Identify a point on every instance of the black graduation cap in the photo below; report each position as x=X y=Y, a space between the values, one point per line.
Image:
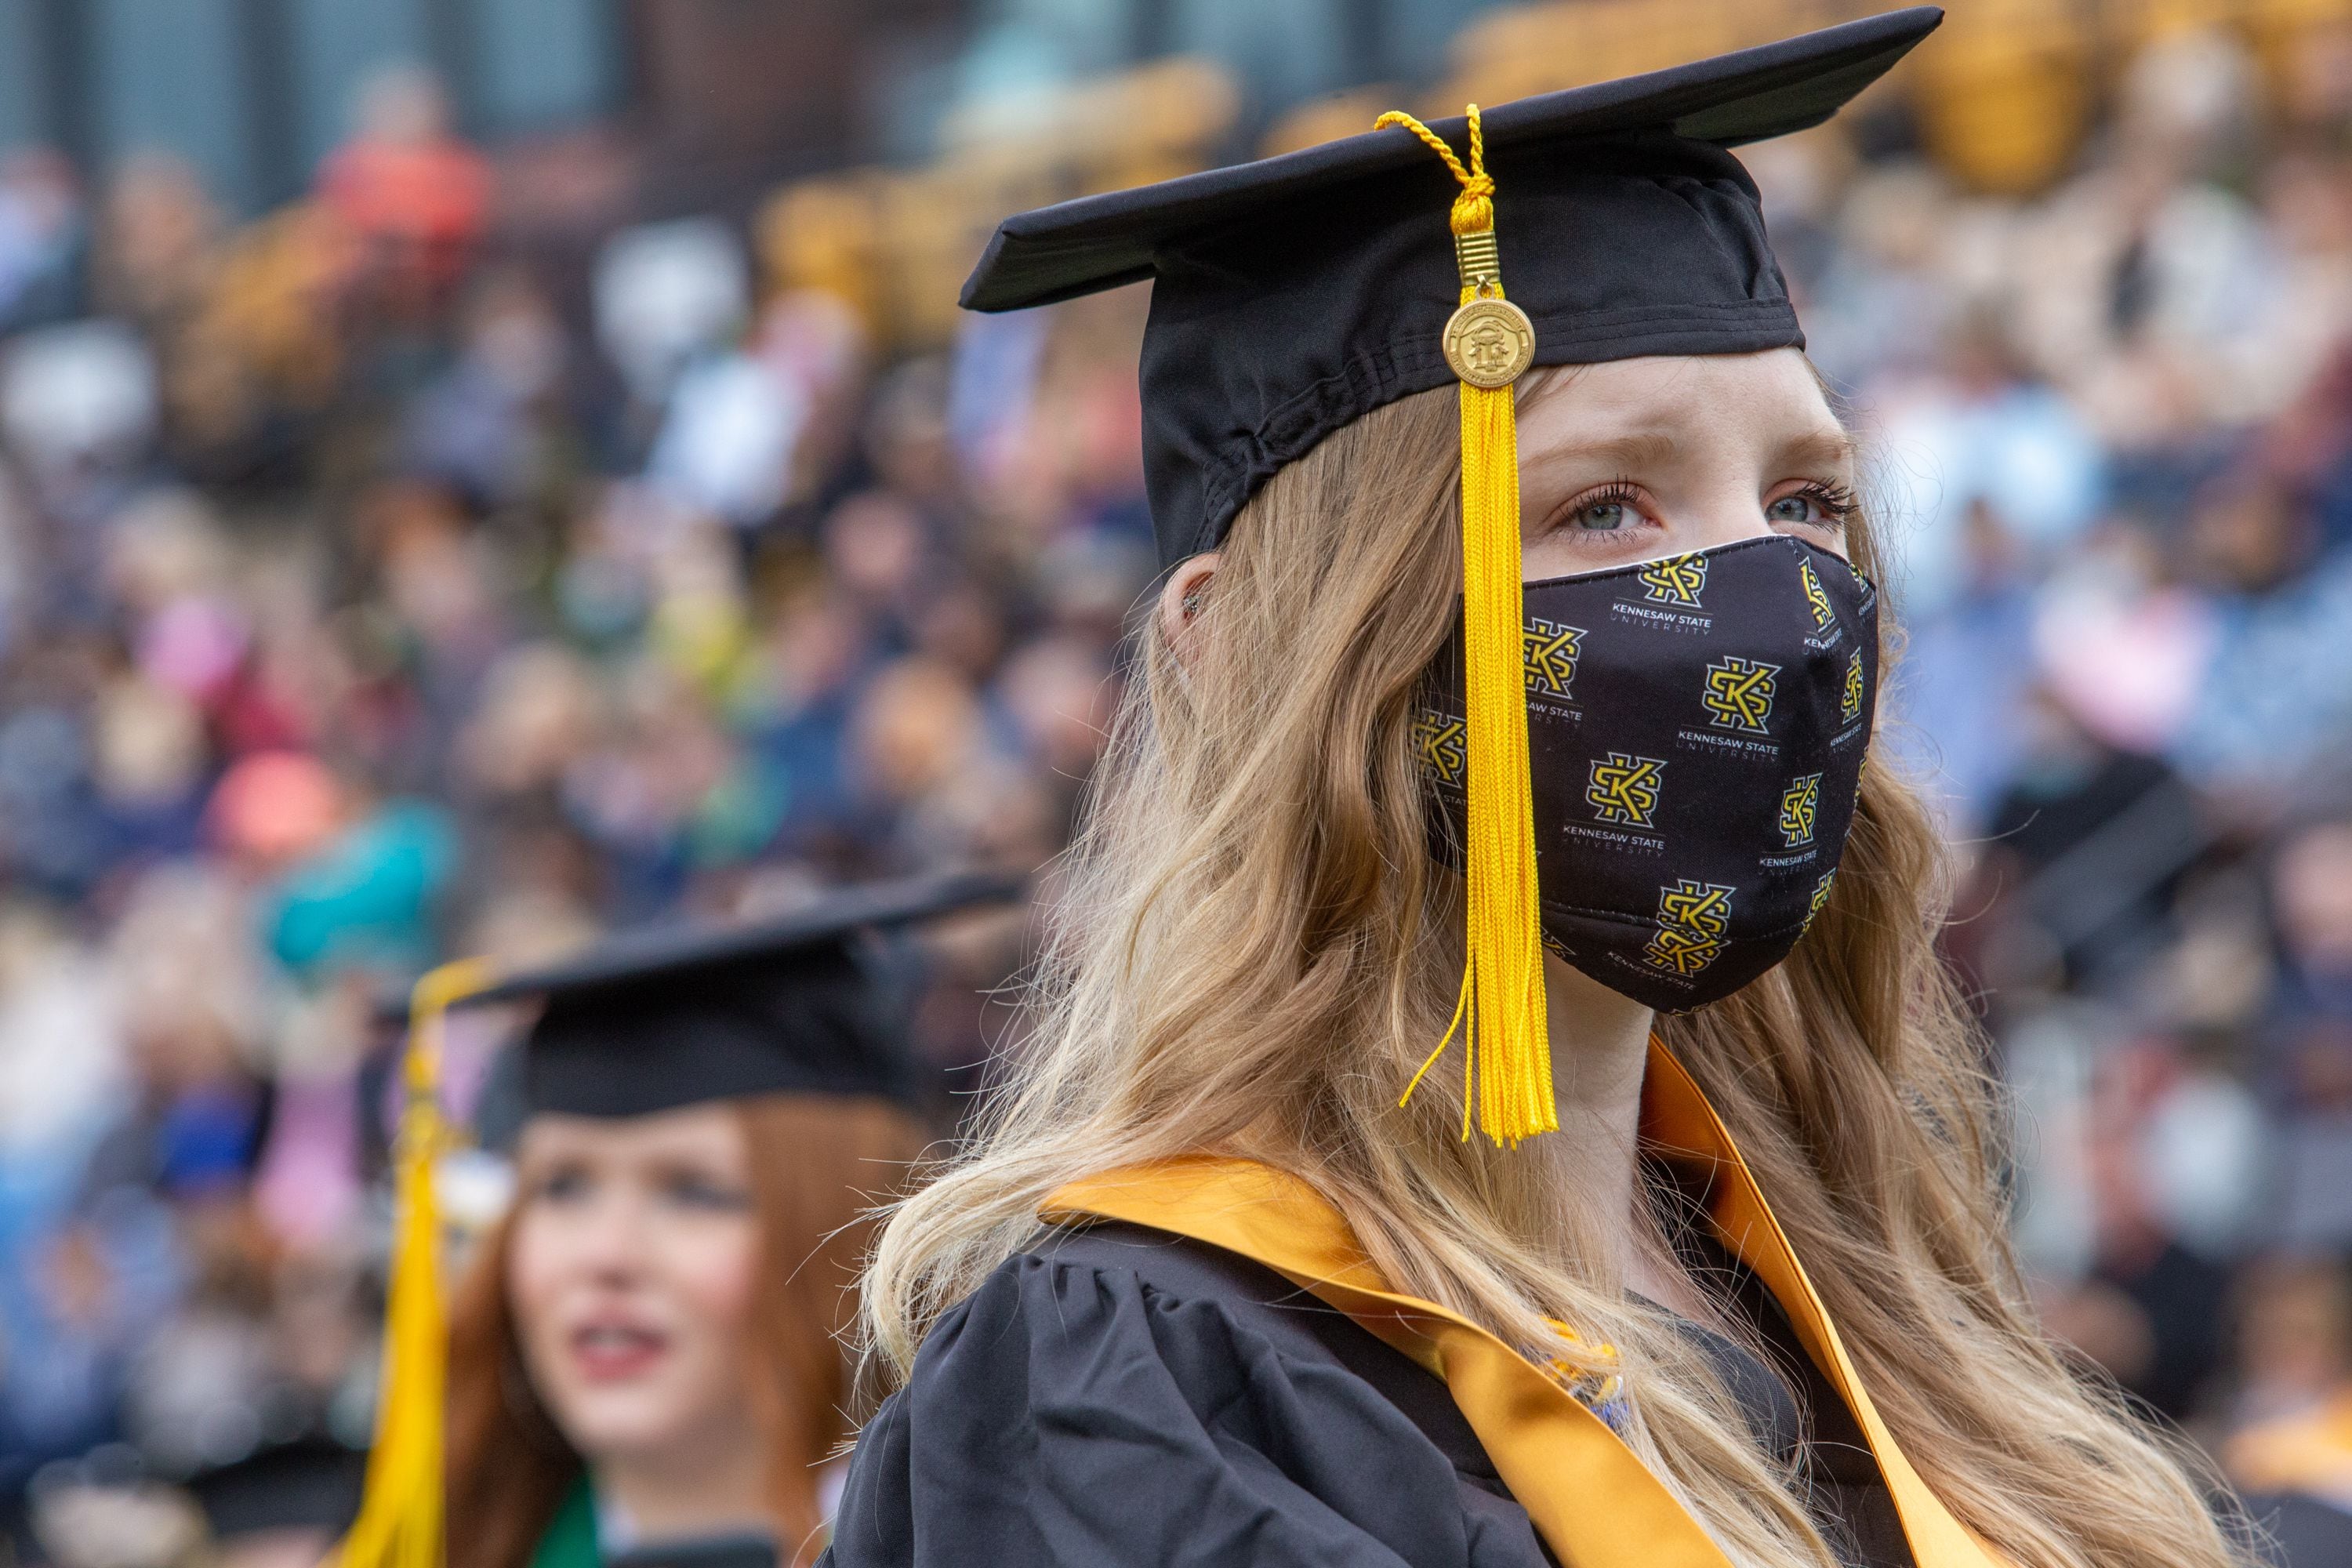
x=659 y=1019
x=309 y=1483
x=1293 y=295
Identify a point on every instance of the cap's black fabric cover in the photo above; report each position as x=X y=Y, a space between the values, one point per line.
x=805 y=1023
x=1295 y=295
x=663 y=1019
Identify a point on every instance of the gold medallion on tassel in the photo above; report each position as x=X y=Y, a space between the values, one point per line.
x=1490 y=342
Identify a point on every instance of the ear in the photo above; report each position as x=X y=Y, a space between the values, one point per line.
x=1181 y=600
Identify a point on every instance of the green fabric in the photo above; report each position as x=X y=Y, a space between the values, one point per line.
x=570 y=1541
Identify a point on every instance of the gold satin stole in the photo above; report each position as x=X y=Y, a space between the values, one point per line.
x=1594 y=1503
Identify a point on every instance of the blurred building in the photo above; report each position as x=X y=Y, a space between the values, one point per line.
x=255 y=93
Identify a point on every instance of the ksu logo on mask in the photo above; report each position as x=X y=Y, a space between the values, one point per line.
x=1624 y=789
x=1850 y=704
x=1738 y=694
x=1799 y=803
x=1820 y=897
x=1815 y=600
x=1443 y=744
x=1552 y=649
x=1692 y=916
x=1676 y=580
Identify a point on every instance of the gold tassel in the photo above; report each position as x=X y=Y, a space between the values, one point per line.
x=1489 y=344
x=399 y=1519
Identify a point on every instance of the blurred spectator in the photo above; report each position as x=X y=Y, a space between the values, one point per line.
x=2086 y=839
x=1984 y=444
x=487 y=426
x=417 y=198
x=78 y=397
x=665 y=293
x=2172 y=1168
x=2311 y=1026
x=2275 y=699
x=2292 y=1452
x=158 y=238
x=42 y=234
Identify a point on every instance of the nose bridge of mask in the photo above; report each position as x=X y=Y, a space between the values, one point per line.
x=1697 y=728
x=1706 y=556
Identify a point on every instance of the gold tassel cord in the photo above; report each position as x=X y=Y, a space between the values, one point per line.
x=399 y=1519
x=1489 y=342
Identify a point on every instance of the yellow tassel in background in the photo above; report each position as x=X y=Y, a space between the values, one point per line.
x=399 y=1524
x=1489 y=344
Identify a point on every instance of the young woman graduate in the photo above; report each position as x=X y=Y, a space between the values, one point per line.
x=1497 y=1102
x=643 y=1362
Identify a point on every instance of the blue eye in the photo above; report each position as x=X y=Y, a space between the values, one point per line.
x=1816 y=506
x=1612 y=508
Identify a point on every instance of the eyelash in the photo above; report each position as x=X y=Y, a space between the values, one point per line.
x=1836 y=500
x=1616 y=492
x=1623 y=492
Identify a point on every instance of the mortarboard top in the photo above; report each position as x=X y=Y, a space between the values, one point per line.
x=657 y=1019
x=1293 y=295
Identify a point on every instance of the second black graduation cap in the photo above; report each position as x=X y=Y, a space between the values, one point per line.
x=1293 y=295
x=656 y=1020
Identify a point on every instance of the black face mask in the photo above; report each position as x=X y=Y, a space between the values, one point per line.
x=1696 y=733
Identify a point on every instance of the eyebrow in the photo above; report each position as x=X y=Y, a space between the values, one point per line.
x=1830 y=448
x=1833 y=448
x=1651 y=449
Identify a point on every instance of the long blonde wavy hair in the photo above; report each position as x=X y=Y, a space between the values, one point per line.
x=1252 y=951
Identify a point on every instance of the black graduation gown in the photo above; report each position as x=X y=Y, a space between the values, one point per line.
x=2301 y=1532
x=1118 y=1397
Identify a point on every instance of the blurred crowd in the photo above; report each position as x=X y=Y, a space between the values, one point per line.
x=2112 y=431
x=371 y=593
x=374 y=589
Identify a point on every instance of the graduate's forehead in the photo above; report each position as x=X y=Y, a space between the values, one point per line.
x=1661 y=409
x=707 y=1132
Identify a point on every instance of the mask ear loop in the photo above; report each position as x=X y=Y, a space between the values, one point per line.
x=1489 y=342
